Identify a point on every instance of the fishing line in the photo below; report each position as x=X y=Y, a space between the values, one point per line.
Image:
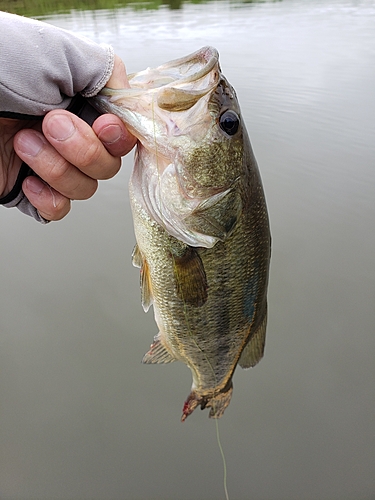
x=223 y=459
x=53 y=196
x=214 y=409
x=187 y=319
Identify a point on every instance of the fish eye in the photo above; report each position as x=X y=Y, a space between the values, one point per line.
x=229 y=122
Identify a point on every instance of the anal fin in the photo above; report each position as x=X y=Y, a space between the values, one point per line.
x=157 y=353
x=254 y=350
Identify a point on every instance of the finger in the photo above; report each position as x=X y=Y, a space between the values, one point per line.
x=118 y=141
x=114 y=135
x=54 y=169
x=51 y=204
x=76 y=141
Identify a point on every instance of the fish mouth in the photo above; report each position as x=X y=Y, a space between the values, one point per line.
x=184 y=70
x=192 y=74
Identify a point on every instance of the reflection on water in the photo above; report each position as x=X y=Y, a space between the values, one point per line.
x=80 y=416
x=37 y=8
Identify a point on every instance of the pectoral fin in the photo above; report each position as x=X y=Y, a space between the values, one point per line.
x=146 y=289
x=217 y=215
x=190 y=278
x=157 y=353
x=137 y=259
x=254 y=350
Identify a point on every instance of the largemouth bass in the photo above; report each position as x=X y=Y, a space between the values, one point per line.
x=200 y=220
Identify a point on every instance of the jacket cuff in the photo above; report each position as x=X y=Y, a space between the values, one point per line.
x=23 y=204
x=16 y=197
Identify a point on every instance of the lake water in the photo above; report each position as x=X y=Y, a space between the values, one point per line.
x=80 y=417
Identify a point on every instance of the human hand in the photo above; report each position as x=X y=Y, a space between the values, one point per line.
x=65 y=152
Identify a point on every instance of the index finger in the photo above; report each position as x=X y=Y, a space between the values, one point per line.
x=77 y=142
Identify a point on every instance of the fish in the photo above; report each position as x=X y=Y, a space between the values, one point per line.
x=200 y=220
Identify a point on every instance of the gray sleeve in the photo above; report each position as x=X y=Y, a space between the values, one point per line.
x=23 y=204
x=42 y=67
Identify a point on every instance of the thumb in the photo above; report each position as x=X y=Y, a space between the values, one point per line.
x=118 y=79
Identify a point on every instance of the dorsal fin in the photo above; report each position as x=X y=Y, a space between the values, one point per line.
x=254 y=350
x=157 y=353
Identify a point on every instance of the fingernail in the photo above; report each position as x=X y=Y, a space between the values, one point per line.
x=34 y=184
x=60 y=127
x=111 y=134
x=30 y=143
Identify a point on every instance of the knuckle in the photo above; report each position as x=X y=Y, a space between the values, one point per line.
x=91 y=155
x=83 y=190
x=87 y=191
x=55 y=210
x=59 y=169
x=110 y=169
x=97 y=162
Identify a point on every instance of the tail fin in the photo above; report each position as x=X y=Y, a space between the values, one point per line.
x=217 y=402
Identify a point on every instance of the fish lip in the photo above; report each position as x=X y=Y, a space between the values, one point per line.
x=208 y=55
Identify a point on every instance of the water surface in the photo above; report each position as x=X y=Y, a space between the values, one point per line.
x=80 y=417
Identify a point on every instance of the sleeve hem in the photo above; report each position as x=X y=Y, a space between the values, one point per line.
x=91 y=92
